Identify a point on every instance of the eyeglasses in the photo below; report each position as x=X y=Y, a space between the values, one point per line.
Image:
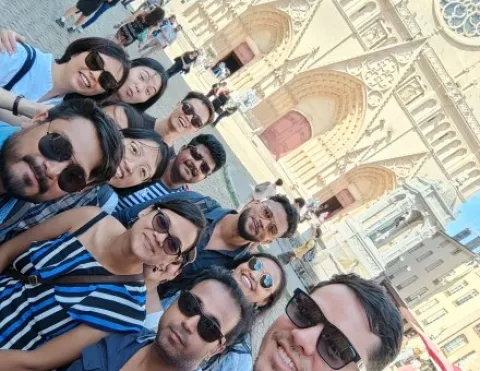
x=332 y=345
x=207 y=328
x=266 y=281
x=56 y=147
x=197 y=156
x=161 y=223
x=188 y=109
x=267 y=213
x=94 y=62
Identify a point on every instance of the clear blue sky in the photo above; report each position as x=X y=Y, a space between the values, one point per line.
x=468 y=217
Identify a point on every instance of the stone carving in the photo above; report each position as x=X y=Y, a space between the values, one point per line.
x=411 y=90
x=381 y=235
x=375 y=34
x=462 y=16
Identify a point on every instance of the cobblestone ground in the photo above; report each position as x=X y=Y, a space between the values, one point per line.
x=35 y=20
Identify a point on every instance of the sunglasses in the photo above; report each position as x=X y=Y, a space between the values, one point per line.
x=94 y=62
x=332 y=345
x=56 y=147
x=207 y=328
x=188 y=109
x=197 y=156
x=266 y=281
x=161 y=223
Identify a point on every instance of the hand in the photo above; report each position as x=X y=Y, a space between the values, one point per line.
x=8 y=39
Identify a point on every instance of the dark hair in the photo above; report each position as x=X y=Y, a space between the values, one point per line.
x=214 y=147
x=272 y=299
x=108 y=135
x=103 y=46
x=135 y=119
x=157 y=67
x=300 y=201
x=153 y=17
x=155 y=137
x=279 y=182
x=189 y=211
x=292 y=214
x=383 y=317
x=224 y=276
x=206 y=102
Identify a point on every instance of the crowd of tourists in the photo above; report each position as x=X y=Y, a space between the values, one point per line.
x=109 y=262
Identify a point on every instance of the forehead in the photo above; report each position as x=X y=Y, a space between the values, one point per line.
x=153 y=76
x=212 y=292
x=83 y=137
x=343 y=309
x=279 y=215
x=200 y=108
x=151 y=154
x=180 y=228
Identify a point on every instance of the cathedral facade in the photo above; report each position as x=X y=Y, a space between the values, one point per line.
x=354 y=97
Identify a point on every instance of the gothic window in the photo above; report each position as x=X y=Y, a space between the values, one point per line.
x=462 y=16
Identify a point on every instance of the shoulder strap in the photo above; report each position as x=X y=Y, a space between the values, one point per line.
x=73 y=280
x=90 y=223
x=31 y=56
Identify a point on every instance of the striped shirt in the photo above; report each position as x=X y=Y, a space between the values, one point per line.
x=150 y=192
x=32 y=315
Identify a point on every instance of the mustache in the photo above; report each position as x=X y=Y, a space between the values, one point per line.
x=39 y=172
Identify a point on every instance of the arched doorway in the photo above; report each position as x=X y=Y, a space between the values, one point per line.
x=287 y=133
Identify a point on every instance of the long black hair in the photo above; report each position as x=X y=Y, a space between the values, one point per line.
x=157 y=67
x=103 y=46
x=135 y=119
x=152 y=18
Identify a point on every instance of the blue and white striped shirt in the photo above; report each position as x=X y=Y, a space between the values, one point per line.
x=150 y=192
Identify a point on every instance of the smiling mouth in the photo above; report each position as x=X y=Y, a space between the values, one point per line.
x=246 y=281
x=183 y=122
x=285 y=358
x=85 y=80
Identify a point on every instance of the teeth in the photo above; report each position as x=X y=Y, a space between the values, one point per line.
x=286 y=359
x=247 y=281
x=85 y=81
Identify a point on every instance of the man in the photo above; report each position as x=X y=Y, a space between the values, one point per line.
x=229 y=234
x=192 y=329
x=266 y=189
x=108 y=4
x=193 y=113
x=346 y=323
x=196 y=161
x=72 y=147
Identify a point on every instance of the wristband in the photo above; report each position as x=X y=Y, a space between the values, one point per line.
x=15 y=104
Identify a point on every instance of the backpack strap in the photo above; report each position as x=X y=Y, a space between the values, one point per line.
x=31 y=56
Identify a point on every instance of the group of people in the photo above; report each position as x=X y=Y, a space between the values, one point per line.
x=109 y=262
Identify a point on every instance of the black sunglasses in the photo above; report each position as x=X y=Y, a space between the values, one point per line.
x=188 y=109
x=207 y=328
x=266 y=281
x=197 y=156
x=332 y=345
x=161 y=223
x=94 y=62
x=56 y=147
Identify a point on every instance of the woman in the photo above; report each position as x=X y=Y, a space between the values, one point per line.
x=84 y=7
x=129 y=32
x=93 y=67
x=60 y=319
x=146 y=83
x=183 y=63
x=262 y=280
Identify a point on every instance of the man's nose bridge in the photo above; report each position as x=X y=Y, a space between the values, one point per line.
x=54 y=168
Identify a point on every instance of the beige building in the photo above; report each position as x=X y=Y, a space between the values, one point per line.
x=354 y=97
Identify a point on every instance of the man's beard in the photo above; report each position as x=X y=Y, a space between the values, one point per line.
x=14 y=184
x=242 y=227
x=170 y=357
x=175 y=175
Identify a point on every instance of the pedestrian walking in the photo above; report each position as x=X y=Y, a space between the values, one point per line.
x=85 y=8
x=128 y=33
x=183 y=63
x=107 y=5
x=226 y=112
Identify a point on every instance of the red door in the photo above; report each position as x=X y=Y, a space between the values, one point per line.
x=244 y=53
x=287 y=134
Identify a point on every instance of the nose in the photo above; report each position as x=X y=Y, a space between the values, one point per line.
x=128 y=166
x=54 y=168
x=190 y=324
x=306 y=339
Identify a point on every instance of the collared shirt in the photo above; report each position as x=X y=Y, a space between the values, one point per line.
x=36 y=82
x=101 y=196
x=112 y=352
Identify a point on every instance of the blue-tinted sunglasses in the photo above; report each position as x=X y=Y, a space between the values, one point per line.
x=266 y=281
